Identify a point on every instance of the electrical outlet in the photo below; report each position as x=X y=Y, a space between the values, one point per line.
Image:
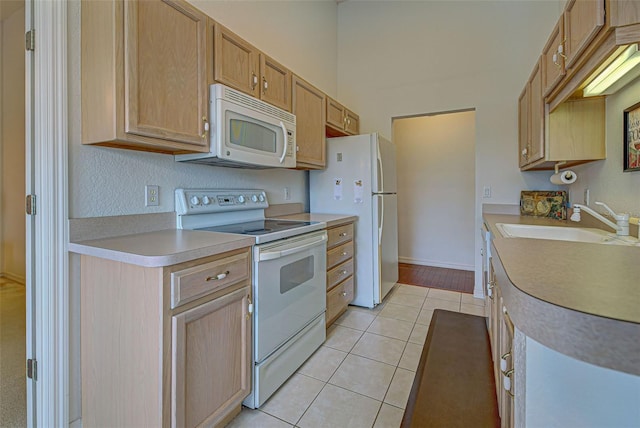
x=486 y=192
x=151 y=195
x=287 y=194
x=585 y=199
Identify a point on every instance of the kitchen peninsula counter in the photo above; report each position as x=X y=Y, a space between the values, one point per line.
x=581 y=299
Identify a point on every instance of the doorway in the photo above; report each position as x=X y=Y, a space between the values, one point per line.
x=436 y=189
x=13 y=391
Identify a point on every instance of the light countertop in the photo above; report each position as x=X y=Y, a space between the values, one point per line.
x=162 y=248
x=582 y=299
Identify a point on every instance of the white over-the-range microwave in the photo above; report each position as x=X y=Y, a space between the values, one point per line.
x=246 y=132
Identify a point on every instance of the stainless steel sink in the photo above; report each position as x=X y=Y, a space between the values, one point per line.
x=562 y=233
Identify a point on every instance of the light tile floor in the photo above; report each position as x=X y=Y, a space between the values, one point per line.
x=362 y=375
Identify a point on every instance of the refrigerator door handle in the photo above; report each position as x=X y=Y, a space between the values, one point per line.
x=380 y=170
x=381 y=217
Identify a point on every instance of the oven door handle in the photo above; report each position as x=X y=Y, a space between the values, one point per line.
x=272 y=255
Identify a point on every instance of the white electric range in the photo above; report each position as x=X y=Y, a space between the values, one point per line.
x=289 y=278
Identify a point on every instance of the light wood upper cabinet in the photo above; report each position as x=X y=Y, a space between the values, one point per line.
x=340 y=120
x=309 y=108
x=583 y=19
x=143 y=75
x=235 y=62
x=624 y=12
x=275 y=83
x=553 y=59
x=240 y=65
x=531 y=119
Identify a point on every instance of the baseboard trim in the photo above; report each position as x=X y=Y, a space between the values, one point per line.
x=15 y=278
x=435 y=264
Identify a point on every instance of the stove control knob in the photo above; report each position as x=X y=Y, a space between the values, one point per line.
x=261 y=197
x=241 y=199
x=195 y=200
x=206 y=200
x=254 y=198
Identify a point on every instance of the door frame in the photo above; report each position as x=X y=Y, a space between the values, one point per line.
x=47 y=233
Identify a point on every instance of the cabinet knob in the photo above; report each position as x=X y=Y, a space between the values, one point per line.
x=503 y=362
x=344 y=253
x=506 y=382
x=343 y=234
x=265 y=85
x=218 y=277
x=344 y=293
x=344 y=272
x=205 y=127
x=254 y=80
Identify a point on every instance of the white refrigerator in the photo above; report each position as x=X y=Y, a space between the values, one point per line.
x=360 y=179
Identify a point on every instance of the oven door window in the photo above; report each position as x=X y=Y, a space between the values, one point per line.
x=295 y=274
x=252 y=134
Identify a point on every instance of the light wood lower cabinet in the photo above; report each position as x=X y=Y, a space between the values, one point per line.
x=340 y=268
x=150 y=358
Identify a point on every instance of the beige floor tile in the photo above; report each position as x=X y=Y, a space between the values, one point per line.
x=373 y=311
x=337 y=407
x=379 y=348
x=411 y=357
x=249 y=418
x=472 y=309
x=323 y=363
x=425 y=318
x=396 y=329
x=470 y=300
x=342 y=338
x=293 y=398
x=435 y=293
x=412 y=300
x=364 y=376
x=413 y=289
x=419 y=332
x=400 y=312
x=357 y=319
x=389 y=417
x=449 y=305
x=400 y=387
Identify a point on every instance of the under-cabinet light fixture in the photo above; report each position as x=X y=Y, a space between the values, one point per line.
x=620 y=66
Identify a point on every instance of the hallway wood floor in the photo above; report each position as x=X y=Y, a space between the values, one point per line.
x=436 y=277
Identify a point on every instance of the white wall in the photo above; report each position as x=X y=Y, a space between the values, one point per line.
x=12 y=217
x=400 y=58
x=437 y=154
x=605 y=179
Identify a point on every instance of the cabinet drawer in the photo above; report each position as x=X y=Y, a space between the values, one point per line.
x=340 y=234
x=338 y=299
x=339 y=254
x=339 y=273
x=192 y=283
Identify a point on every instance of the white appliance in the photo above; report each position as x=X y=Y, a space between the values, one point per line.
x=360 y=179
x=246 y=132
x=289 y=279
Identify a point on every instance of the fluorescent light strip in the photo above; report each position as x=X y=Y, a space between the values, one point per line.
x=628 y=59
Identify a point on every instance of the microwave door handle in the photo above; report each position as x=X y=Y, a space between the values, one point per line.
x=284 y=146
x=272 y=255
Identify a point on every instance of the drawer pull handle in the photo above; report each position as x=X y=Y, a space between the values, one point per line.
x=344 y=253
x=218 y=277
x=344 y=272
x=344 y=293
x=343 y=234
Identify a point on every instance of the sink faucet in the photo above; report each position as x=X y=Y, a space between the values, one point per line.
x=622 y=220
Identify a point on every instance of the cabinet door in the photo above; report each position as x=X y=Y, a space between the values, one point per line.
x=275 y=83
x=309 y=108
x=506 y=375
x=235 y=62
x=210 y=360
x=523 y=126
x=624 y=12
x=335 y=114
x=352 y=122
x=536 y=118
x=583 y=19
x=553 y=59
x=165 y=71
